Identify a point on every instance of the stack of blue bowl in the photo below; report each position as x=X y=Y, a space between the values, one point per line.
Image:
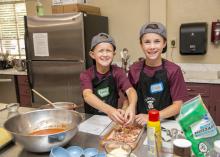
x=75 y=151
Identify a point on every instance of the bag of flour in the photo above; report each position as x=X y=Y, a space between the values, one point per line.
x=198 y=126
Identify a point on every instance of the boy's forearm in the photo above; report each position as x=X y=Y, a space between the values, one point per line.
x=132 y=97
x=171 y=110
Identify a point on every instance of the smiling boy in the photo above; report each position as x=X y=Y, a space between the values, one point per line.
x=159 y=83
x=101 y=83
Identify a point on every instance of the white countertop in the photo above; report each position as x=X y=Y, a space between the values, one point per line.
x=12 y=71
x=198 y=73
x=201 y=73
x=209 y=81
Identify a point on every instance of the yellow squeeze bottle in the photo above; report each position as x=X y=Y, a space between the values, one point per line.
x=153 y=134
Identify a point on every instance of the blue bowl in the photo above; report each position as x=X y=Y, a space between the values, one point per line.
x=90 y=152
x=75 y=151
x=59 y=152
x=101 y=154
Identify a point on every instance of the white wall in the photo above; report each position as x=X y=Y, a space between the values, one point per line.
x=127 y=16
x=125 y=19
x=186 y=11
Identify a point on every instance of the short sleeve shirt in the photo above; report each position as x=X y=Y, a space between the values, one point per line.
x=119 y=76
x=176 y=81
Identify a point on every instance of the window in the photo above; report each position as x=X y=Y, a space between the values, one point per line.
x=12 y=14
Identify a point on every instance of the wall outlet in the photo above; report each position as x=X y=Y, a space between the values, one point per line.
x=173 y=43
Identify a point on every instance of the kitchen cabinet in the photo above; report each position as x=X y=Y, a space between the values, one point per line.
x=216 y=101
x=23 y=91
x=7 y=89
x=210 y=96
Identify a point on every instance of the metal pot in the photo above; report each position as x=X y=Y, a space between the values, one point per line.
x=21 y=126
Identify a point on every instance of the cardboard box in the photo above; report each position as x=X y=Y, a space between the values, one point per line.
x=64 y=2
x=76 y=8
x=57 y=9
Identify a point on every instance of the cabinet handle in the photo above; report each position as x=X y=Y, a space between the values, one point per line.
x=5 y=80
x=208 y=107
x=189 y=89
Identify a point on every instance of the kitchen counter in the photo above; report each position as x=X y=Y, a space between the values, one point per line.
x=81 y=139
x=12 y=71
x=209 y=81
x=14 y=87
x=198 y=73
x=201 y=73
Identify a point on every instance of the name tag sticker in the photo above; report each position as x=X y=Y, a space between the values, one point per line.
x=156 y=88
x=104 y=92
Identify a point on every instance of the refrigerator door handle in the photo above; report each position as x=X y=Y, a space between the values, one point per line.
x=82 y=61
x=79 y=61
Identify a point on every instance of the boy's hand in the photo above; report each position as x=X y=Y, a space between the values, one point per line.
x=141 y=119
x=129 y=115
x=117 y=115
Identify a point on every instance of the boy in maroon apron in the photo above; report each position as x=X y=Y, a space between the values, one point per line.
x=101 y=83
x=159 y=83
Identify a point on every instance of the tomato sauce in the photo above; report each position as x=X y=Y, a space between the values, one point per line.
x=47 y=131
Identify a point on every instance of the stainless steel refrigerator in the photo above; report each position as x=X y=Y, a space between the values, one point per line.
x=57 y=50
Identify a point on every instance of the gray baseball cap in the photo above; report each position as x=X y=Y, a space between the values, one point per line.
x=102 y=38
x=154 y=27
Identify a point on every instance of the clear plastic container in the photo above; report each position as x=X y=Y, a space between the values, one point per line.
x=217 y=148
x=118 y=149
x=40 y=9
x=12 y=109
x=182 y=148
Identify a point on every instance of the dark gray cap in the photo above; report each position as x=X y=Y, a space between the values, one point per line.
x=154 y=27
x=102 y=38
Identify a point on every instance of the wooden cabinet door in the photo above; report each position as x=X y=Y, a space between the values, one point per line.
x=24 y=91
x=195 y=89
x=210 y=96
x=216 y=102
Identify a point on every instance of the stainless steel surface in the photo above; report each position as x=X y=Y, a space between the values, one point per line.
x=81 y=139
x=7 y=89
x=65 y=36
x=22 y=125
x=6 y=80
x=57 y=81
x=12 y=71
x=56 y=74
x=61 y=105
x=3 y=107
